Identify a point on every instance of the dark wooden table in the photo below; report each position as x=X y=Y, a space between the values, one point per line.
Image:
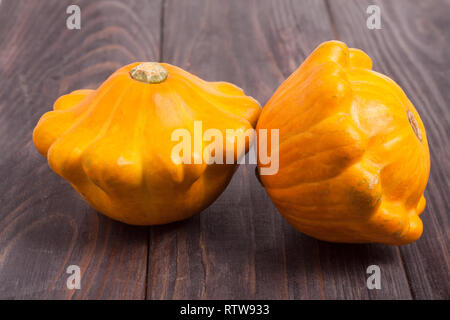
x=240 y=247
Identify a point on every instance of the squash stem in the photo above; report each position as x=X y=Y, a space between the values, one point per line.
x=149 y=72
x=414 y=125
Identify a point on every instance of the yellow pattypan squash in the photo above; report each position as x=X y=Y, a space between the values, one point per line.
x=353 y=152
x=115 y=144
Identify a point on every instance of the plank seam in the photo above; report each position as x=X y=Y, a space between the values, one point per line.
x=405 y=270
x=161 y=30
x=330 y=16
x=149 y=229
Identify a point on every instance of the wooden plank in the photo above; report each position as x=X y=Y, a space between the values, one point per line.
x=44 y=225
x=412 y=47
x=240 y=247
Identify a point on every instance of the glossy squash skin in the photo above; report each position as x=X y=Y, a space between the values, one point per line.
x=353 y=152
x=114 y=144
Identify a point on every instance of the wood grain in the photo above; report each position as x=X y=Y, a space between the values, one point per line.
x=240 y=247
x=44 y=225
x=412 y=48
